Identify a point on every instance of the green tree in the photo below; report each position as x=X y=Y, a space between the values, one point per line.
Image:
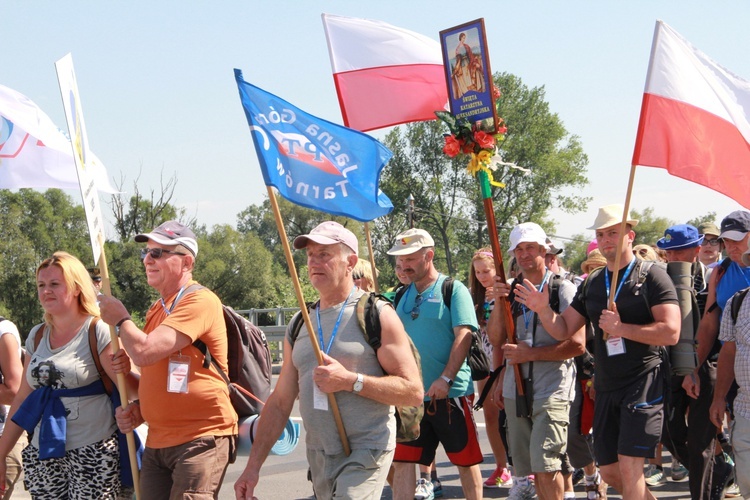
x=447 y=200
x=650 y=227
x=35 y=225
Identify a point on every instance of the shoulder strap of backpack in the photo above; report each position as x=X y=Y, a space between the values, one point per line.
x=587 y=283
x=554 y=292
x=297 y=323
x=94 y=348
x=399 y=295
x=720 y=270
x=447 y=290
x=737 y=300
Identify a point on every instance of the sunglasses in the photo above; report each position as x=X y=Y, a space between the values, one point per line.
x=156 y=253
x=356 y=276
x=417 y=302
x=714 y=242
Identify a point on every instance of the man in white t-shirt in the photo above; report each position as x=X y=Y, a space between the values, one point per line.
x=11 y=370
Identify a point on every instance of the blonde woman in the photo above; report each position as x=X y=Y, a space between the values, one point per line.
x=74 y=452
x=481 y=278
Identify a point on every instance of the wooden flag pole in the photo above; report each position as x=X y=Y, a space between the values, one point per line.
x=305 y=315
x=372 y=257
x=620 y=240
x=497 y=253
x=121 y=387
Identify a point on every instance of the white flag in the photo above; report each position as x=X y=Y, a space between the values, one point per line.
x=34 y=153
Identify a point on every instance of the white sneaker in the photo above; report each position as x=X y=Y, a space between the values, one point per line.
x=424 y=490
x=518 y=492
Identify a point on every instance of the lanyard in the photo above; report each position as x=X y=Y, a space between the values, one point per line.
x=622 y=281
x=335 y=327
x=526 y=316
x=164 y=306
x=408 y=290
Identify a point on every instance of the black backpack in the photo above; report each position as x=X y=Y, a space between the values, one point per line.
x=248 y=360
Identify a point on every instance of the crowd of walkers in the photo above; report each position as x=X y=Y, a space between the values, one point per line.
x=593 y=373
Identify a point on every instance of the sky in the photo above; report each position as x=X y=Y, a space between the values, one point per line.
x=159 y=98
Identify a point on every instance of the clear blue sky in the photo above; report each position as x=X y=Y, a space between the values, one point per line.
x=159 y=96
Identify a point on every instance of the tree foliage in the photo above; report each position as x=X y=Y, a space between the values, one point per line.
x=447 y=200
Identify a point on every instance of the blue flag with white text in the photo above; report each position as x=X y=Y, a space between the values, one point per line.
x=313 y=162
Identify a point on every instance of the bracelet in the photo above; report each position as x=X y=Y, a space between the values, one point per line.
x=123 y=320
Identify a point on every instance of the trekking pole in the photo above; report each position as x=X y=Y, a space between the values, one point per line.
x=497 y=253
x=305 y=315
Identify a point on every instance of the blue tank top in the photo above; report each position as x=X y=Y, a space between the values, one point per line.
x=735 y=279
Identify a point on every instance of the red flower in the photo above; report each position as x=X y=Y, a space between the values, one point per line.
x=502 y=129
x=452 y=146
x=467 y=147
x=485 y=140
x=496 y=92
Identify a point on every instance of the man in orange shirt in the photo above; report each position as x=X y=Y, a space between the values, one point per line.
x=192 y=425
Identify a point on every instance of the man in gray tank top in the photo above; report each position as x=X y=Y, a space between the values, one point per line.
x=367 y=383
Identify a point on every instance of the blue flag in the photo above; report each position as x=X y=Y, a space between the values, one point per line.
x=313 y=162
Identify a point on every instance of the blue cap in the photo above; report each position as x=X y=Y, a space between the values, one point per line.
x=679 y=237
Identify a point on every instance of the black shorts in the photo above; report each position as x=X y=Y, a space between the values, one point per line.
x=447 y=421
x=628 y=421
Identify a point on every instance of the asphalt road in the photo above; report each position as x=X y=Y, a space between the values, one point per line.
x=285 y=477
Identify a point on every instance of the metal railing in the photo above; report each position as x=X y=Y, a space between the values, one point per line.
x=273 y=322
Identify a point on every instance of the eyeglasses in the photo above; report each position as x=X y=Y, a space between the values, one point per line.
x=156 y=253
x=714 y=242
x=417 y=302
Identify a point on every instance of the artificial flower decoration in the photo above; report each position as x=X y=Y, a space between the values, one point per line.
x=472 y=140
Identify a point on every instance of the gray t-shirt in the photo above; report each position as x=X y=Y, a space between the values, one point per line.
x=89 y=418
x=368 y=424
x=551 y=378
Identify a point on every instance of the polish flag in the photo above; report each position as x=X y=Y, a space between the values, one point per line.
x=384 y=75
x=694 y=118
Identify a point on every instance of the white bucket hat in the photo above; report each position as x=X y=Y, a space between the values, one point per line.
x=528 y=232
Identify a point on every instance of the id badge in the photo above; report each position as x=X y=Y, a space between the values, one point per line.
x=177 y=374
x=320 y=399
x=615 y=346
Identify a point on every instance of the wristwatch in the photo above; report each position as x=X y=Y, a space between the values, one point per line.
x=447 y=380
x=359 y=383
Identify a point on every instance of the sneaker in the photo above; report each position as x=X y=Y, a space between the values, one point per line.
x=424 y=490
x=654 y=475
x=518 y=492
x=721 y=476
x=596 y=490
x=679 y=471
x=732 y=491
x=437 y=488
x=577 y=476
x=499 y=477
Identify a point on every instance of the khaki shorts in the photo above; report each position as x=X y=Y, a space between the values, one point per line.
x=361 y=475
x=538 y=444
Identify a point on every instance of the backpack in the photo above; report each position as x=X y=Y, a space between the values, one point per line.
x=477 y=359
x=737 y=300
x=408 y=418
x=248 y=361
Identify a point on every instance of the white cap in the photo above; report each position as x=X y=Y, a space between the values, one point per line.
x=410 y=241
x=528 y=232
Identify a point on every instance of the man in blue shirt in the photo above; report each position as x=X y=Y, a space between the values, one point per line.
x=442 y=335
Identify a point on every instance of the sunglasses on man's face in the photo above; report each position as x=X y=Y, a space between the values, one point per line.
x=156 y=253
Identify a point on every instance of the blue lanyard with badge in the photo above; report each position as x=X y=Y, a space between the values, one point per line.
x=179 y=365
x=615 y=344
x=320 y=399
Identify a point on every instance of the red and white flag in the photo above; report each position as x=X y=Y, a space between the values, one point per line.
x=695 y=118
x=384 y=75
x=34 y=153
